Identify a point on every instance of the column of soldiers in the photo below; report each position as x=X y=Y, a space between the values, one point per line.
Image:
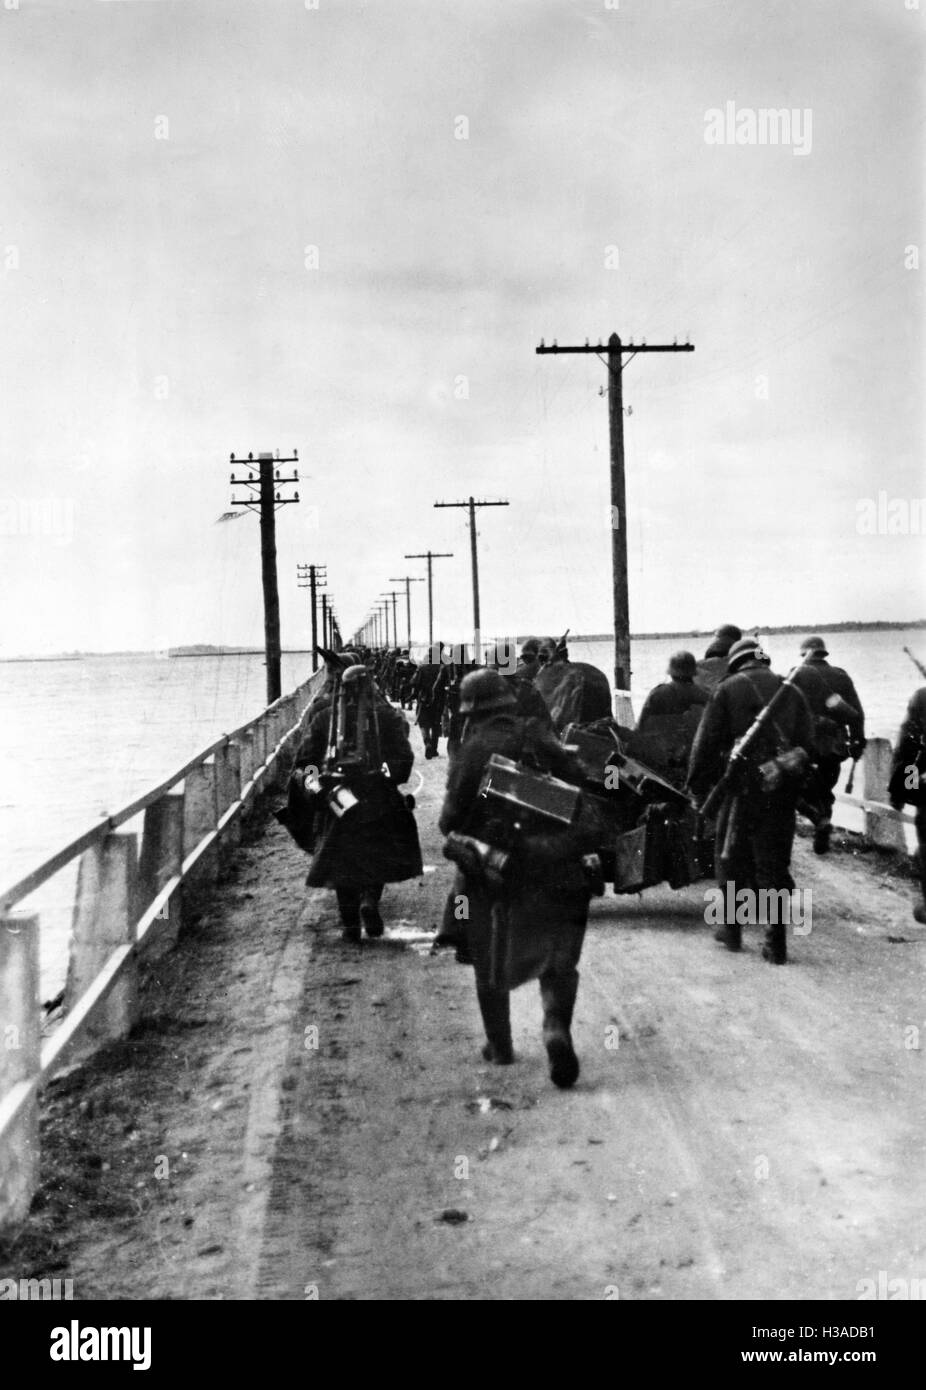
x=814 y=717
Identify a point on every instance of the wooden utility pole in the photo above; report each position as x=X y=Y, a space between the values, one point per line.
x=472 y=504
x=382 y=624
x=384 y=609
x=316 y=576
x=431 y=555
x=325 y=642
x=621 y=600
x=408 y=580
x=392 y=594
x=265 y=498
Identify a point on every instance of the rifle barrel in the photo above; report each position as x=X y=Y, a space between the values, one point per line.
x=916 y=662
x=742 y=746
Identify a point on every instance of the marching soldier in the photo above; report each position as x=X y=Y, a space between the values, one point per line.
x=759 y=788
x=531 y=923
x=669 y=719
x=528 y=664
x=429 y=700
x=839 y=730
x=677 y=695
x=908 y=781
x=529 y=703
x=447 y=687
x=546 y=650
x=713 y=667
x=405 y=669
x=345 y=811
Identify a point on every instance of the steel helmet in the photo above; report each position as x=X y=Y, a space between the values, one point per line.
x=682 y=665
x=484 y=690
x=746 y=649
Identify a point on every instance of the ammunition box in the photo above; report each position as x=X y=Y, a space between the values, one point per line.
x=593 y=752
x=524 y=791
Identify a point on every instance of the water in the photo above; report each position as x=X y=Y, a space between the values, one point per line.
x=80 y=739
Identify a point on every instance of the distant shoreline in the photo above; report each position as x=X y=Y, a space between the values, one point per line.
x=204 y=651
x=915 y=625
x=166 y=656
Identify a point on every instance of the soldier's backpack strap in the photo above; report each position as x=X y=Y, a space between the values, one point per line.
x=782 y=736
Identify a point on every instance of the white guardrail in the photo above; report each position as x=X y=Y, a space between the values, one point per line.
x=128 y=905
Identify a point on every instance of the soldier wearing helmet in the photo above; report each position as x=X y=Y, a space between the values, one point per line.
x=713 y=667
x=907 y=786
x=344 y=806
x=530 y=704
x=669 y=719
x=528 y=663
x=839 y=729
x=544 y=911
x=677 y=695
x=755 y=823
x=427 y=692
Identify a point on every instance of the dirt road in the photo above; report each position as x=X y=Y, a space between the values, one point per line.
x=331 y=1131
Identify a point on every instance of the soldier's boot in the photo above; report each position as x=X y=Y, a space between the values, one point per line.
x=775 y=950
x=919 y=910
x=558 y=996
x=452 y=931
x=821 y=836
x=731 y=933
x=369 y=911
x=495 y=1007
x=349 y=909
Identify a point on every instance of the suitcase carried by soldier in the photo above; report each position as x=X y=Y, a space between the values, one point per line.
x=665 y=847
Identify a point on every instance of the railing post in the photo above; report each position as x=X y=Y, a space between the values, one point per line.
x=247 y=754
x=259 y=732
x=19 y=1062
x=103 y=921
x=876 y=772
x=199 y=815
x=228 y=790
x=160 y=861
x=283 y=718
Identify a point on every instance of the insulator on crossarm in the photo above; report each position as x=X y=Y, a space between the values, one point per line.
x=296 y=497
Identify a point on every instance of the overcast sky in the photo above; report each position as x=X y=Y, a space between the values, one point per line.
x=164 y=168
